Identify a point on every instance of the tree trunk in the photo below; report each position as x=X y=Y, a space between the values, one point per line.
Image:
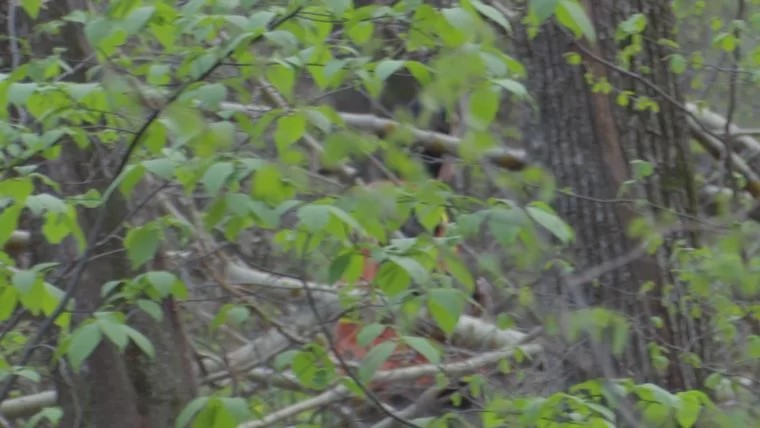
x=113 y=389
x=587 y=141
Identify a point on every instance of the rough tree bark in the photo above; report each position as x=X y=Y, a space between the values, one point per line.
x=587 y=142
x=114 y=389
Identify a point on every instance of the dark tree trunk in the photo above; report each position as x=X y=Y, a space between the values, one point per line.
x=587 y=141
x=113 y=389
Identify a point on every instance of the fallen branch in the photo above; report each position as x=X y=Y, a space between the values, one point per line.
x=470 y=332
x=414 y=410
x=26 y=406
x=29 y=405
x=269 y=345
x=718 y=150
x=505 y=158
x=340 y=392
x=717 y=124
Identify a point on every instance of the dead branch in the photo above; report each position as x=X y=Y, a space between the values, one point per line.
x=340 y=392
x=470 y=332
x=506 y=158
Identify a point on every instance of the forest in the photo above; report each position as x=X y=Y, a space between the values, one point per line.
x=376 y=214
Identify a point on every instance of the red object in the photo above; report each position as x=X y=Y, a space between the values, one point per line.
x=346 y=330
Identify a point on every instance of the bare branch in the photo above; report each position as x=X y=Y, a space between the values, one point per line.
x=28 y=405
x=470 y=332
x=506 y=158
x=340 y=392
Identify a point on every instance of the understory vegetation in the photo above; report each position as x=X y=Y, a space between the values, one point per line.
x=337 y=213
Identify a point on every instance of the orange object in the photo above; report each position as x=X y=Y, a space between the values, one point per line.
x=346 y=330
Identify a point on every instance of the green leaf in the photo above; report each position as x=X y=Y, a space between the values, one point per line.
x=163 y=281
x=386 y=68
x=289 y=130
x=79 y=91
x=446 y=305
x=571 y=14
x=456 y=267
x=44 y=202
x=162 y=167
x=141 y=341
x=360 y=32
x=543 y=9
x=688 y=410
x=238 y=314
x=268 y=184
x=114 y=332
x=505 y=224
x=24 y=280
x=347 y=267
x=753 y=347
x=51 y=414
x=8 y=302
x=369 y=333
x=713 y=380
x=347 y=219
x=151 y=308
x=416 y=271
x=678 y=63
x=222 y=134
x=656 y=414
x=210 y=95
x=126 y=181
x=189 y=412
x=314 y=217
x=283 y=360
x=8 y=222
x=460 y=19
x=513 y=87
x=266 y=217
x=221 y=317
x=284 y=39
x=634 y=24
x=642 y=169
x=17 y=189
x=32 y=7
x=420 y=72
x=319 y=119
x=424 y=347
x=34 y=299
x=83 y=342
x=283 y=77
x=338 y=7
x=484 y=104
x=338 y=267
x=620 y=337
x=237 y=20
x=216 y=176
x=260 y=20
x=544 y=215
x=19 y=93
x=375 y=358
x=650 y=391
x=29 y=375
x=493 y=14
x=155 y=138
x=392 y=279
x=237 y=408
x=141 y=244
x=55 y=228
x=136 y=20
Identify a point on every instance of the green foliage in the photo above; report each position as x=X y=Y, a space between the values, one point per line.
x=217 y=412
x=205 y=147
